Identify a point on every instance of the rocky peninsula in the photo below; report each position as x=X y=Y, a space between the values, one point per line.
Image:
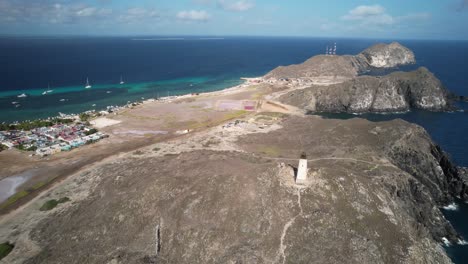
x=336 y=68
x=396 y=92
x=219 y=186
x=330 y=83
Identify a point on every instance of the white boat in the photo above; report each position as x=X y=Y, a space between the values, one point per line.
x=87 y=84
x=22 y=95
x=48 y=90
x=108 y=92
x=121 y=80
x=62 y=100
x=94 y=105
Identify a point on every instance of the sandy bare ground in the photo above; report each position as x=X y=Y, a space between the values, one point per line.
x=17 y=224
x=131 y=129
x=103 y=122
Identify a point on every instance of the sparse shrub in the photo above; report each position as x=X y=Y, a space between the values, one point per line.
x=51 y=204
x=3 y=147
x=5 y=249
x=84 y=117
x=156 y=149
x=138 y=152
x=91 y=131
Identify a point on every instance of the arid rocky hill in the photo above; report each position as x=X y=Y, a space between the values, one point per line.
x=388 y=56
x=372 y=197
x=399 y=91
x=347 y=66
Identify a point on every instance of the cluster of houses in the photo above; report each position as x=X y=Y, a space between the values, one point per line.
x=51 y=140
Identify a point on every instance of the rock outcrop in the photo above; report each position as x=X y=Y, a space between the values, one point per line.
x=396 y=92
x=339 y=68
x=325 y=67
x=388 y=56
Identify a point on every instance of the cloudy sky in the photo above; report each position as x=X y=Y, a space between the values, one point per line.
x=427 y=19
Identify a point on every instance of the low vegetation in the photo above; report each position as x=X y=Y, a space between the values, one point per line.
x=91 y=131
x=51 y=204
x=5 y=249
x=85 y=117
x=24 y=148
x=13 y=199
x=272 y=151
x=3 y=147
x=28 y=125
x=236 y=114
x=211 y=142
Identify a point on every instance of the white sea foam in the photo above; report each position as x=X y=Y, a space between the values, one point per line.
x=446 y=242
x=462 y=242
x=451 y=207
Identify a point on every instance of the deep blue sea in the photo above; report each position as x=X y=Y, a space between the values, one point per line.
x=158 y=66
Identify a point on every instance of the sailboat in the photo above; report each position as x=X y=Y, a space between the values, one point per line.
x=48 y=90
x=87 y=84
x=121 y=80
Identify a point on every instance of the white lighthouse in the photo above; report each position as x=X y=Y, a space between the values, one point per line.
x=301 y=177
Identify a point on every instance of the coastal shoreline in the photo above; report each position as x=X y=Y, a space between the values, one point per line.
x=56 y=159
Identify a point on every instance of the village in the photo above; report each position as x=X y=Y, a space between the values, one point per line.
x=49 y=140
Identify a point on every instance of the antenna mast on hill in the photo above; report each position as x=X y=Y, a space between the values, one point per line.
x=334 y=49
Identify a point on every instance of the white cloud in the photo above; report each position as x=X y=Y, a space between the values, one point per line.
x=237 y=6
x=138 y=14
x=86 y=12
x=365 y=11
x=49 y=11
x=193 y=15
x=374 y=14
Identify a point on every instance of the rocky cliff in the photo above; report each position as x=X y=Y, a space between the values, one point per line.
x=347 y=66
x=399 y=91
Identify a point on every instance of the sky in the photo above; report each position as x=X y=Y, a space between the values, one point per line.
x=404 y=19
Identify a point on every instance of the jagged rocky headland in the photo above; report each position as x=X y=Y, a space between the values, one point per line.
x=348 y=89
x=396 y=92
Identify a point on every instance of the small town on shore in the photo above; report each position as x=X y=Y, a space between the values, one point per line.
x=50 y=136
x=45 y=137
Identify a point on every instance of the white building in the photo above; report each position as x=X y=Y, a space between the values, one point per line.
x=301 y=177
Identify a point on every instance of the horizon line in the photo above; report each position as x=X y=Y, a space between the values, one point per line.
x=214 y=36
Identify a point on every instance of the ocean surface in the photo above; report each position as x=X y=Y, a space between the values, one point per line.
x=160 y=66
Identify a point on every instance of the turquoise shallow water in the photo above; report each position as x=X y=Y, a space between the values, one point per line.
x=75 y=99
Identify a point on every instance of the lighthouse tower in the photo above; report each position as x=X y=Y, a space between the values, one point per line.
x=301 y=177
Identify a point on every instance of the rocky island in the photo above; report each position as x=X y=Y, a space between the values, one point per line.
x=224 y=190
